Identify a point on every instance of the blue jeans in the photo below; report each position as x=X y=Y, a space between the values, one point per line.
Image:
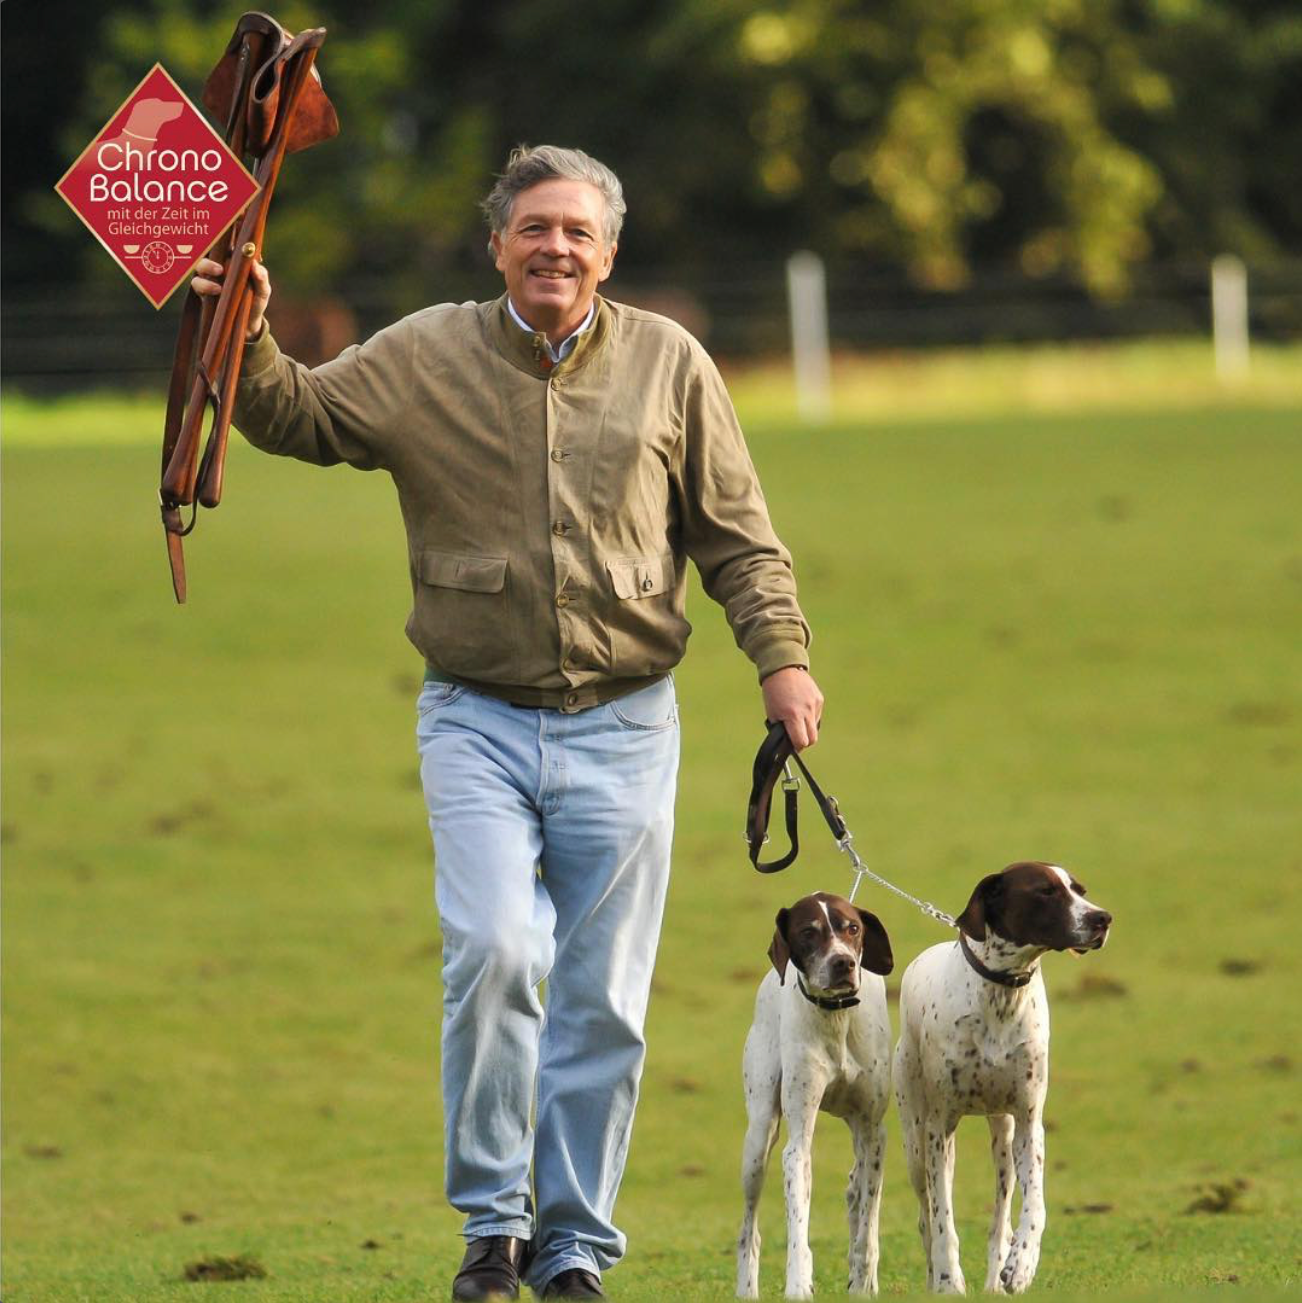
x=552 y=835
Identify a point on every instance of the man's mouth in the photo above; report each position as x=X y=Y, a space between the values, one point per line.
x=549 y=275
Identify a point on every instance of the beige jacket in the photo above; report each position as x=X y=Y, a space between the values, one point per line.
x=549 y=511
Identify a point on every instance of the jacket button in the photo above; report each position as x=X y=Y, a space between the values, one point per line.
x=558 y=454
x=572 y=699
x=560 y=527
x=562 y=600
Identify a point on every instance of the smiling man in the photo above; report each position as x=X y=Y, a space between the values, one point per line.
x=558 y=458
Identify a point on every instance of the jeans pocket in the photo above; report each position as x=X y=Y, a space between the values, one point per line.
x=435 y=695
x=649 y=709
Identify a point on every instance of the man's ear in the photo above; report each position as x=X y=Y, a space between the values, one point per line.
x=984 y=900
x=495 y=242
x=608 y=264
x=876 y=956
x=779 y=951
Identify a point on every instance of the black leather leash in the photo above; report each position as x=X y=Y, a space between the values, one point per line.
x=773 y=761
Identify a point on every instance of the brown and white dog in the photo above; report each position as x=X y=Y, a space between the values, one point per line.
x=974 y=1039
x=819 y=1041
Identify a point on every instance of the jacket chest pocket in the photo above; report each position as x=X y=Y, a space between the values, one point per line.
x=648 y=633
x=462 y=620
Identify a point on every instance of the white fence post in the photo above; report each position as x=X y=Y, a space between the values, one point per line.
x=807 y=300
x=1230 y=316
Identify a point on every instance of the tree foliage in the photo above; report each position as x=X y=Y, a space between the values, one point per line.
x=1078 y=136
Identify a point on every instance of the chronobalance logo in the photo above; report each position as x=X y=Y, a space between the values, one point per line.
x=157 y=186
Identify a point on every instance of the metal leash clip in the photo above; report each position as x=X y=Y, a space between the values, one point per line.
x=775 y=757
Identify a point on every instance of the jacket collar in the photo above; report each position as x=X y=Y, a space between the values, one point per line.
x=529 y=353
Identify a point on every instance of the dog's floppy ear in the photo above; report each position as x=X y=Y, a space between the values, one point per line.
x=779 y=951
x=986 y=896
x=876 y=956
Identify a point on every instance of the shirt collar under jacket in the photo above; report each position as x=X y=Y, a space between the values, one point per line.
x=566 y=346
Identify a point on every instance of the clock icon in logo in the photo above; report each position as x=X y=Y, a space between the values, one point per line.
x=157 y=257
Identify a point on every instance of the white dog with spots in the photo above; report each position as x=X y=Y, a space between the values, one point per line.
x=974 y=1039
x=820 y=1041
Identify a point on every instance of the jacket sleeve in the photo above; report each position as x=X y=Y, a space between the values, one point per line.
x=727 y=531
x=346 y=410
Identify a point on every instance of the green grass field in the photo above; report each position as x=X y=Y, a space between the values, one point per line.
x=1041 y=635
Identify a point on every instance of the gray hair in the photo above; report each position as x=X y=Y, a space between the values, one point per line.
x=528 y=166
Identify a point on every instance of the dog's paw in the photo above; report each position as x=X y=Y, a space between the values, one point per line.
x=1017 y=1275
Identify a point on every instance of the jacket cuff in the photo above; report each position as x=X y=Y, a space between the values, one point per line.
x=259 y=353
x=774 y=656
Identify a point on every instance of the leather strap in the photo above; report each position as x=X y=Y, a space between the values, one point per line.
x=830 y=1002
x=771 y=764
x=991 y=974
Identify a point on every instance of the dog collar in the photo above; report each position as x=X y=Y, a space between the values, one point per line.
x=828 y=1001
x=991 y=974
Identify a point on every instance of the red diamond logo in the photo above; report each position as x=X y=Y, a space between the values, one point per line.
x=157 y=186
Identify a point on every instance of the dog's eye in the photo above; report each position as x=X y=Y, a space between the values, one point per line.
x=852 y=929
x=1047 y=890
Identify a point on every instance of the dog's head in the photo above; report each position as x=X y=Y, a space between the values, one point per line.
x=1033 y=904
x=829 y=940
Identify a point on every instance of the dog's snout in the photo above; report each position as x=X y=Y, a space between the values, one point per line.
x=1099 y=919
x=841 y=966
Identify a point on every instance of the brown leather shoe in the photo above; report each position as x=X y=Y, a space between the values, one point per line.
x=491 y=1268
x=573 y=1283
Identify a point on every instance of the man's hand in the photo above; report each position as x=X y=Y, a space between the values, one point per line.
x=792 y=696
x=207 y=280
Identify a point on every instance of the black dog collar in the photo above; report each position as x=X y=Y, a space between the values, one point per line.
x=992 y=974
x=828 y=1001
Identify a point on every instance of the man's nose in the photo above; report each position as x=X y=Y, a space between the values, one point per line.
x=555 y=243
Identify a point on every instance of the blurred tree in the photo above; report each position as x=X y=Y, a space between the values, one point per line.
x=1053 y=136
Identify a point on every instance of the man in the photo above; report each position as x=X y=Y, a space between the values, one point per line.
x=557 y=457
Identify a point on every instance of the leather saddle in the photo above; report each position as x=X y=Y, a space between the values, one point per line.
x=268 y=93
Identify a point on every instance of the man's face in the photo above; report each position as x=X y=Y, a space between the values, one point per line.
x=552 y=254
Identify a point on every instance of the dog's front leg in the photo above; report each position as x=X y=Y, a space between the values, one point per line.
x=1001 y=1229
x=800 y=1102
x=760 y=1135
x=913 y=1108
x=1028 y=1153
x=946 y=1273
x=863 y=1198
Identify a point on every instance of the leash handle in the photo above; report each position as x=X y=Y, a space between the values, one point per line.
x=773 y=761
x=770 y=765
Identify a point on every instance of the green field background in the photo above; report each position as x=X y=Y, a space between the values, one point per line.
x=1069 y=634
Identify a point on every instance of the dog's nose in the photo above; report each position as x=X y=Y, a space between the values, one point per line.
x=841 y=966
x=1099 y=919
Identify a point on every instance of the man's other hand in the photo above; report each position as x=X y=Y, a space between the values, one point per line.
x=792 y=696
x=207 y=280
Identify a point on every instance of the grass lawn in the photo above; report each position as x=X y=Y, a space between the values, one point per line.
x=1060 y=634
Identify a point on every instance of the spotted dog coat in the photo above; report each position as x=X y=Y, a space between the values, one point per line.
x=970 y=1044
x=819 y=1041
